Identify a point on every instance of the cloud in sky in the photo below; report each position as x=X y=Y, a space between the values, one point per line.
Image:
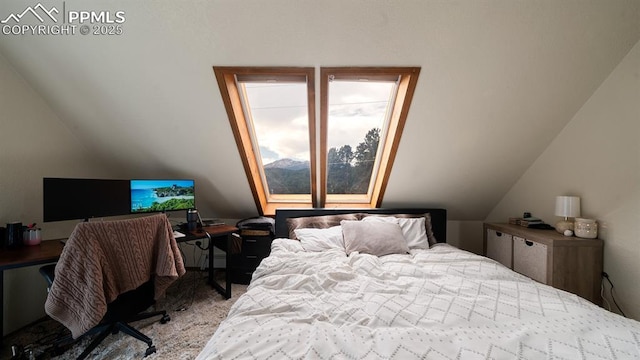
x=280 y=119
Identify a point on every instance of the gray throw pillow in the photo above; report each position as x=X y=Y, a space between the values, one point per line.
x=375 y=238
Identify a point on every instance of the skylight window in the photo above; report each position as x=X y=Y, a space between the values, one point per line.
x=358 y=114
x=272 y=114
x=278 y=116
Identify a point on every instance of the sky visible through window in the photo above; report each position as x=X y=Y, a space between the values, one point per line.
x=281 y=125
x=355 y=107
x=279 y=114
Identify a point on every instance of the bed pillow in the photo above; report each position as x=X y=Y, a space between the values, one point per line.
x=388 y=219
x=318 y=222
x=320 y=239
x=413 y=229
x=427 y=222
x=375 y=238
x=427 y=225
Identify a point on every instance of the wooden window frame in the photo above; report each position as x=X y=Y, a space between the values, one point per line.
x=226 y=77
x=407 y=78
x=267 y=204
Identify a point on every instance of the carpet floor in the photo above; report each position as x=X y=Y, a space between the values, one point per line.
x=195 y=308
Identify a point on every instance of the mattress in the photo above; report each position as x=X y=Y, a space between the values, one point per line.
x=437 y=303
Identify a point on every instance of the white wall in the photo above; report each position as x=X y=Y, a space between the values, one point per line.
x=465 y=235
x=33 y=144
x=597 y=157
x=489 y=69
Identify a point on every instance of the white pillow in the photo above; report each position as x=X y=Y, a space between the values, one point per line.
x=376 y=238
x=414 y=232
x=320 y=239
x=413 y=229
x=389 y=219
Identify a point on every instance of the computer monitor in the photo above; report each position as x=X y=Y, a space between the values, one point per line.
x=76 y=199
x=161 y=195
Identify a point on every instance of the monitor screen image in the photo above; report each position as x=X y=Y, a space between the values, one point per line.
x=162 y=195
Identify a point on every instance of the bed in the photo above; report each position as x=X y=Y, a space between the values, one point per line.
x=322 y=294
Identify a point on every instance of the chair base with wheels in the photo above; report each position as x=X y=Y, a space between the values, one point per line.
x=122 y=311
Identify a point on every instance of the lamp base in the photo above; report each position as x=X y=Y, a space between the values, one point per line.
x=563 y=225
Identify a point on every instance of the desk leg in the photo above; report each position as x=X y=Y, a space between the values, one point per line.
x=211 y=279
x=224 y=291
x=227 y=267
x=1 y=308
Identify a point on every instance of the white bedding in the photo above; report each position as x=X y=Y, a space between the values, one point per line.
x=441 y=303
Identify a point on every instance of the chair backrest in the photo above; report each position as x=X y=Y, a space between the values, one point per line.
x=104 y=259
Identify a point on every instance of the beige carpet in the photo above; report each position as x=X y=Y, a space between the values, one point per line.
x=195 y=308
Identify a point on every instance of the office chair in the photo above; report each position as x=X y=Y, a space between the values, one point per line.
x=109 y=272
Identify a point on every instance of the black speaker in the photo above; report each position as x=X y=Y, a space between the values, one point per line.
x=13 y=235
x=192 y=219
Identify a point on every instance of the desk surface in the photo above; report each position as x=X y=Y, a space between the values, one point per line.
x=47 y=251
x=216 y=230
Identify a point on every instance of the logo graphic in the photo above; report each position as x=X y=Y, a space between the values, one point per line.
x=32 y=10
x=38 y=20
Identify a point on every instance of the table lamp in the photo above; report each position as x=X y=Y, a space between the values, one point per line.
x=567 y=207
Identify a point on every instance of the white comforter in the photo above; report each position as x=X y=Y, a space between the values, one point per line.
x=441 y=303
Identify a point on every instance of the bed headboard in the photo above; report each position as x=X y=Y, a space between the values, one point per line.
x=438 y=218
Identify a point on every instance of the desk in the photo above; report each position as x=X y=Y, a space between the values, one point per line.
x=219 y=236
x=47 y=252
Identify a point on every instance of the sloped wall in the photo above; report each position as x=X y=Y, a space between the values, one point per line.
x=34 y=144
x=597 y=157
x=489 y=69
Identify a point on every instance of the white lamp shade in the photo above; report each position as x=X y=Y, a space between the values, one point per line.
x=568 y=206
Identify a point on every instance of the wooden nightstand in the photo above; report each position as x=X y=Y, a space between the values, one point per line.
x=568 y=263
x=256 y=245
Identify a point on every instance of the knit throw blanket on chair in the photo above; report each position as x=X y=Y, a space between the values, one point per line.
x=104 y=259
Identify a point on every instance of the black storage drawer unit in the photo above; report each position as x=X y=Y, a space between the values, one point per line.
x=256 y=245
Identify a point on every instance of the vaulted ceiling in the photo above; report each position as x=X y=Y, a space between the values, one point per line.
x=499 y=80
